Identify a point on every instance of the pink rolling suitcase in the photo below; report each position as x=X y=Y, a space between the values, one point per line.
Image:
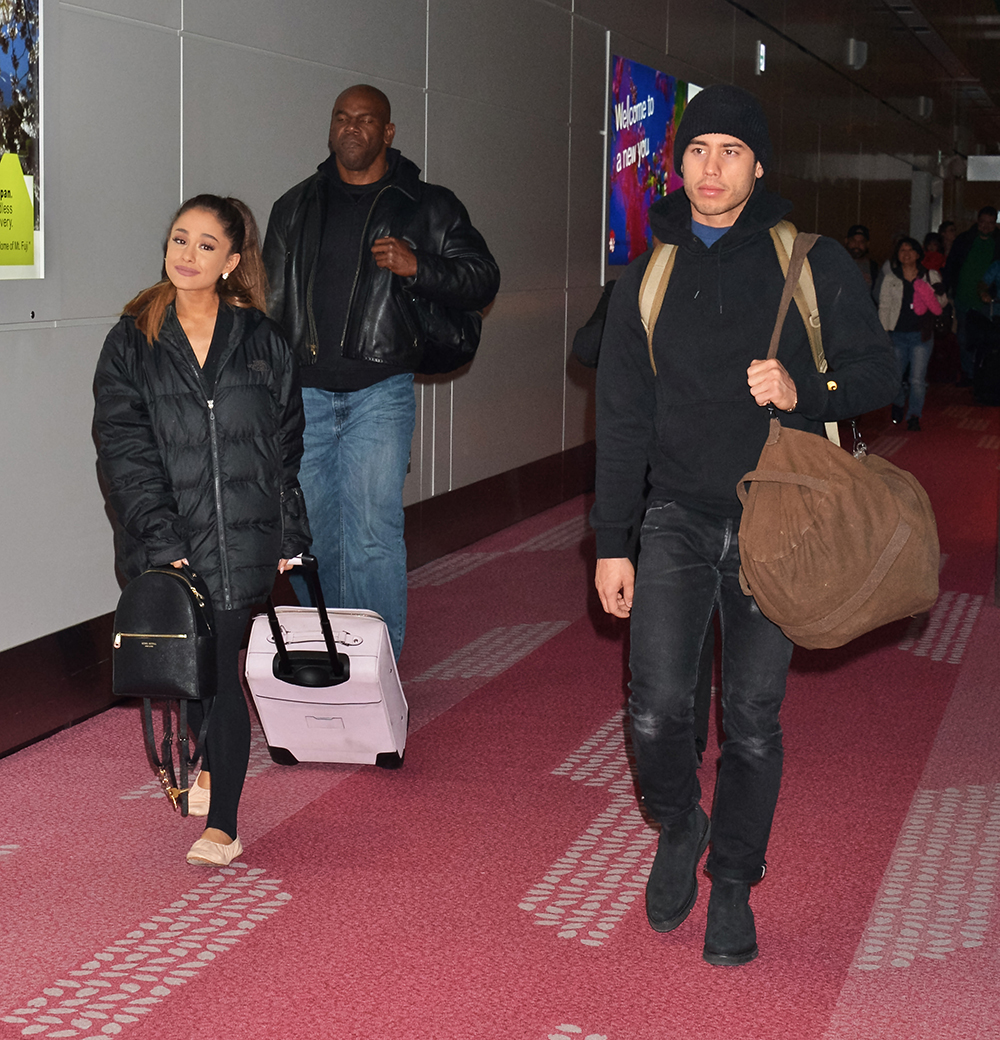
x=325 y=684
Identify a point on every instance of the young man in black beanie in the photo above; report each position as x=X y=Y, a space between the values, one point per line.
x=695 y=406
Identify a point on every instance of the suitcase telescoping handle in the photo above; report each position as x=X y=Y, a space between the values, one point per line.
x=336 y=663
x=311 y=570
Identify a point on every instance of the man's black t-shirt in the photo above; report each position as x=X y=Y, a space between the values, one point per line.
x=347 y=213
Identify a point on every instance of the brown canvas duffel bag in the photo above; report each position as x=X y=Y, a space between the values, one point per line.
x=832 y=545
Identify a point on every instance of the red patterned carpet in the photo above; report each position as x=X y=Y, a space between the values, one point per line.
x=492 y=887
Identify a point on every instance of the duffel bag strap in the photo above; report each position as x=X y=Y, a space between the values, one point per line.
x=784 y=235
x=772 y=476
x=803 y=243
x=799 y=285
x=875 y=577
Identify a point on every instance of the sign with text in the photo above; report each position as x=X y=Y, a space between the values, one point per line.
x=17 y=215
x=646 y=106
x=20 y=180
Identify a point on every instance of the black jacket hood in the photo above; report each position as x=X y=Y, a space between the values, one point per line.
x=670 y=217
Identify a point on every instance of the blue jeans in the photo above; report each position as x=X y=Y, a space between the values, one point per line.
x=913 y=353
x=356 y=452
x=689 y=568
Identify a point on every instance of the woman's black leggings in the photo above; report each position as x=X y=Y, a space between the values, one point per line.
x=227 y=743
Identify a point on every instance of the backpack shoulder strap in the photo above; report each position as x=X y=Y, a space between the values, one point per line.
x=783 y=234
x=653 y=288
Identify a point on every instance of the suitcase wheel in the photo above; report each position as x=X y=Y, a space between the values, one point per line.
x=392 y=759
x=282 y=756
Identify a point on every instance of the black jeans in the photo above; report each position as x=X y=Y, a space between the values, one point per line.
x=689 y=568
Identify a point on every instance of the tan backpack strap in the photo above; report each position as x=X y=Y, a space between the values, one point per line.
x=653 y=288
x=784 y=234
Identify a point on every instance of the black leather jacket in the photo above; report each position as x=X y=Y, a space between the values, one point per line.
x=216 y=481
x=454 y=265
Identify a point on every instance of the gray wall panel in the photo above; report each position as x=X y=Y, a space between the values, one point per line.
x=702 y=34
x=508 y=411
x=51 y=513
x=157 y=12
x=579 y=422
x=511 y=55
x=586 y=169
x=258 y=151
x=586 y=242
x=417 y=485
x=642 y=22
x=365 y=38
x=438 y=455
x=116 y=161
x=510 y=170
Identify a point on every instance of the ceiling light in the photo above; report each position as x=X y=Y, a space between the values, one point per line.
x=855 y=54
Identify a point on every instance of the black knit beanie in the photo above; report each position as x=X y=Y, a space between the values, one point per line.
x=725 y=109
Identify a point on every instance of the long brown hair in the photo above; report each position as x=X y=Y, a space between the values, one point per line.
x=245 y=287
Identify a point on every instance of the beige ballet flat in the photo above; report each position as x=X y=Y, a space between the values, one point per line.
x=198 y=799
x=204 y=853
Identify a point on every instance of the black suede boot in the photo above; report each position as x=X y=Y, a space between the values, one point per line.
x=730 y=937
x=672 y=887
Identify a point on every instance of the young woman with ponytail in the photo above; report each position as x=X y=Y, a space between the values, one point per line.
x=198 y=418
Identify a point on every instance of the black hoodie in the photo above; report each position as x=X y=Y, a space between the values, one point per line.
x=696 y=423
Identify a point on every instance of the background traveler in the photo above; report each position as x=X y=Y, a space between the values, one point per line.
x=856 y=242
x=948 y=232
x=934 y=258
x=972 y=252
x=907 y=306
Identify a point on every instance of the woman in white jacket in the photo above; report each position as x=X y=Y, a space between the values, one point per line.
x=907 y=303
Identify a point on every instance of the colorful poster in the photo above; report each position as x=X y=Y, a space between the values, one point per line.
x=646 y=106
x=20 y=181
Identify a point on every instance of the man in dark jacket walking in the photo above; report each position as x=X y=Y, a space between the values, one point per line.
x=693 y=404
x=350 y=254
x=971 y=253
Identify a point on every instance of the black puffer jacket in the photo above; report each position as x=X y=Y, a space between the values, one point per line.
x=454 y=266
x=215 y=482
x=696 y=420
